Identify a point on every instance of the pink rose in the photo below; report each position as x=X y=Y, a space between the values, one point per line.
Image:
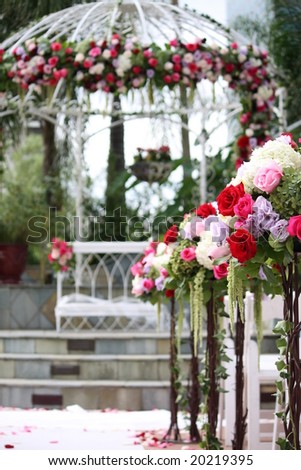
x=164 y=272
x=52 y=61
x=268 y=177
x=244 y=206
x=220 y=271
x=55 y=253
x=294 y=226
x=56 y=46
x=148 y=285
x=137 y=289
x=137 y=269
x=63 y=73
x=94 y=52
x=219 y=252
x=188 y=254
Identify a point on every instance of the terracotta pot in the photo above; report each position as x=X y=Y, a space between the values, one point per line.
x=12 y=262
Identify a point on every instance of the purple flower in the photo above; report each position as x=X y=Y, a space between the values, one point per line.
x=159 y=282
x=150 y=73
x=262 y=276
x=197 y=55
x=279 y=231
x=262 y=218
x=219 y=230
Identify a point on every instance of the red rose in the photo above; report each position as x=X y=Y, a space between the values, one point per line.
x=243 y=141
x=204 y=210
x=167 y=79
x=176 y=77
x=229 y=68
x=153 y=62
x=171 y=235
x=238 y=163
x=192 y=67
x=56 y=46
x=228 y=198
x=136 y=69
x=110 y=78
x=242 y=245
x=191 y=47
x=169 y=293
x=177 y=68
x=294 y=226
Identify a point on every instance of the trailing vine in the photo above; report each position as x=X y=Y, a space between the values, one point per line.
x=235 y=292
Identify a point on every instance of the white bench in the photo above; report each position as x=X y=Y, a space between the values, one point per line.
x=100 y=287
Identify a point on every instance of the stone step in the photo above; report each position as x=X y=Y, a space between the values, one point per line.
x=89 y=367
x=89 y=394
x=50 y=342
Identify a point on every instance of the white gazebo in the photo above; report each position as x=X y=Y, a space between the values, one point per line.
x=151 y=22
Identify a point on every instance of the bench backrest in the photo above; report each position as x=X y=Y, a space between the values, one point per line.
x=103 y=269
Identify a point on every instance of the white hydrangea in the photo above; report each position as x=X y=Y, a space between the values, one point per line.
x=124 y=61
x=203 y=248
x=278 y=151
x=162 y=257
x=96 y=69
x=79 y=57
x=265 y=92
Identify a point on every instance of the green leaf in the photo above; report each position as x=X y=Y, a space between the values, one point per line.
x=279 y=385
x=281 y=365
x=271 y=278
x=283 y=327
x=281 y=345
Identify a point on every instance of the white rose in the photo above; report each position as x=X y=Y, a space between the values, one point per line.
x=106 y=54
x=168 y=66
x=242 y=58
x=188 y=57
x=79 y=57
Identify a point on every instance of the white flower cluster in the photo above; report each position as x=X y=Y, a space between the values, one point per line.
x=203 y=248
x=278 y=151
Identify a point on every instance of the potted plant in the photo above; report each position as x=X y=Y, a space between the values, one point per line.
x=152 y=165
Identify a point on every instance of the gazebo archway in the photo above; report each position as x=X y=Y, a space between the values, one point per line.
x=114 y=25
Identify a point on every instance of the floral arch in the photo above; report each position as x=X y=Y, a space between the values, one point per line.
x=145 y=49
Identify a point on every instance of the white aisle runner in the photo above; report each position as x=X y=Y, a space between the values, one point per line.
x=75 y=428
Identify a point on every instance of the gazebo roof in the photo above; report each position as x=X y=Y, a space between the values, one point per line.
x=150 y=21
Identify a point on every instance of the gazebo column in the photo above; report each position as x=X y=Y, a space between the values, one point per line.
x=203 y=162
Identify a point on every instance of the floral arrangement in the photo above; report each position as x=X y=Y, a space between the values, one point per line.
x=61 y=255
x=162 y=154
x=123 y=63
x=191 y=265
x=262 y=207
x=150 y=273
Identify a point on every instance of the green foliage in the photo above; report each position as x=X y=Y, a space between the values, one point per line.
x=183 y=270
x=280 y=31
x=255 y=28
x=286 y=197
x=284 y=41
x=22 y=192
x=18 y=13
